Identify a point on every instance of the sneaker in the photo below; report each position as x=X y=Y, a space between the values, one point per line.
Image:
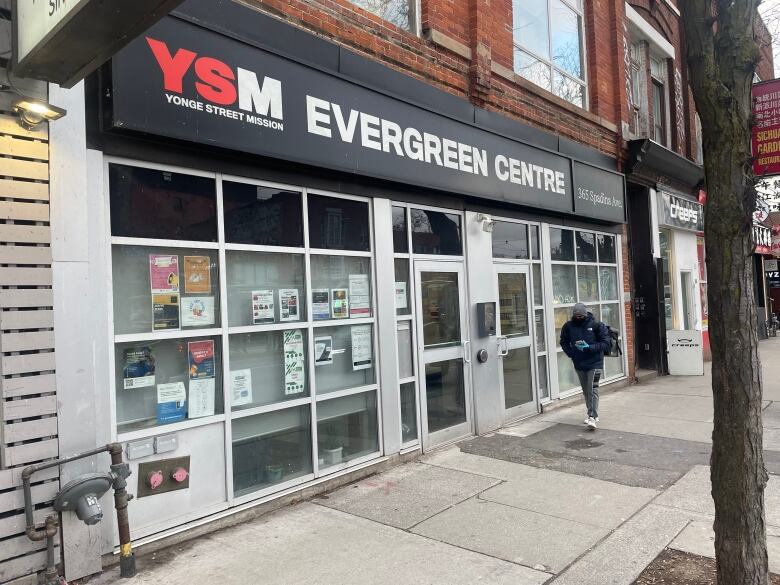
x=596 y=419
x=591 y=423
x=587 y=418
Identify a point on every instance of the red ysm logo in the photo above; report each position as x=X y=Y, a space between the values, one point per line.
x=217 y=82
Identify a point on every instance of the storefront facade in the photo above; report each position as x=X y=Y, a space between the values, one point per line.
x=666 y=223
x=315 y=276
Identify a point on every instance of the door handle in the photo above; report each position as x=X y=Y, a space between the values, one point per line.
x=467 y=351
x=505 y=351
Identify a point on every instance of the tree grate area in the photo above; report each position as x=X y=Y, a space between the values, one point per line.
x=674 y=567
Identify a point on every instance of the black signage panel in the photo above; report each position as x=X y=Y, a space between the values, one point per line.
x=598 y=194
x=182 y=81
x=680 y=213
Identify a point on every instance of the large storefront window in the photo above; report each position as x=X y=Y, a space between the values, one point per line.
x=584 y=270
x=248 y=316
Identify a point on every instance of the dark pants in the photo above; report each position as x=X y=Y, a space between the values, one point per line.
x=590 y=389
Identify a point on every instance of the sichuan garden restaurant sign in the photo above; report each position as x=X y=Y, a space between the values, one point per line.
x=766 y=129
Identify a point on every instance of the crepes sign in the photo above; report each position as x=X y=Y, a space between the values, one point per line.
x=681 y=213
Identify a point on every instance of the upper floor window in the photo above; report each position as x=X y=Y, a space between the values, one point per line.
x=638 y=99
x=548 y=46
x=401 y=13
x=658 y=73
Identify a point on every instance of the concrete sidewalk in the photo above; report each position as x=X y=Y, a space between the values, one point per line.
x=542 y=501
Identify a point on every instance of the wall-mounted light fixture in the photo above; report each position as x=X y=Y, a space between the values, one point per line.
x=32 y=112
x=487 y=223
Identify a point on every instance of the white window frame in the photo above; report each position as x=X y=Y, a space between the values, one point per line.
x=517 y=46
x=224 y=331
x=550 y=306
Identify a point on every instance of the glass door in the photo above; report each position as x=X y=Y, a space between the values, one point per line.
x=442 y=334
x=515 y=344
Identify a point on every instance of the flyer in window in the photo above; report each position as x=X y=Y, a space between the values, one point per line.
x=201 y=359
x=197 y=311
x=201 y=401
x=164 y=273
x=165 y=312
x=361 y=347
x=139 y=368
x=288 y=304
x=262 y=306
x=294 y=361
x=339 y=306
x=359 y=296
x=320 y=300
x=241 y=387
x=197 y=274
x=400 y=295
x=171 y=401
x=202 y=378
x=323 y=350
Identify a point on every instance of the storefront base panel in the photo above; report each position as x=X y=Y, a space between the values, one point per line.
x=253 y=510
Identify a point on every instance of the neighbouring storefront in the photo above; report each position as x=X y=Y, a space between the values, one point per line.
x=762 y=238
x=306 y=274
x=666 y=224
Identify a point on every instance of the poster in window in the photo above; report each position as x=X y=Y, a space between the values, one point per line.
x=288 y=304
x=202 y=373
x=323 y=350
x=171 y=402
x=139 y=368
x=320 y=298
x=165 y=312
x=339 y=305
x=359 y=296
x=197 y=274
x=197 y=311
x=201 y=359
x=362 y=353
x=164 y=273
x=294 y=374
x=400 y=295
x=241 y=387
x=262 y=306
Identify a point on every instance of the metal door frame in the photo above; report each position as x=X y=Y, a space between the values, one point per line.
x=434 y=355
x=507 y=344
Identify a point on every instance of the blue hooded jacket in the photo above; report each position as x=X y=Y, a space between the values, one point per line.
x=594 y=334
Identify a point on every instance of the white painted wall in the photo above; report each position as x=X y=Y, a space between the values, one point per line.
x=79 y=321
x=686 y=258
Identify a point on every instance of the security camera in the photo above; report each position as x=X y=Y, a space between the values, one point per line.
x=488 y=225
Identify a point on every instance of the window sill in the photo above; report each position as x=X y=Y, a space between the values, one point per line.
x=511 y=76
x=439 y=39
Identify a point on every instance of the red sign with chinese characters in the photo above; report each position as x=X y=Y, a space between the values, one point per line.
x=766 y=130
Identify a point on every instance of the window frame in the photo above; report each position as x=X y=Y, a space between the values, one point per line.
x=415 y=16
x=554 y=350
x=306 y=323
x=549 y=62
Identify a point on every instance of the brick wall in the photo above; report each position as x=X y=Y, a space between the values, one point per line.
x=466 y=49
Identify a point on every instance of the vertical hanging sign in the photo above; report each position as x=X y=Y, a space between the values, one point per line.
x=766 y=130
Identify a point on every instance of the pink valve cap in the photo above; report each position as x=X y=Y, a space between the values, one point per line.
x=179 y=474
x=154 y=479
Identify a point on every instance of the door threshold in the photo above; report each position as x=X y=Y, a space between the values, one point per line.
x=520 y=418
x=448 y=443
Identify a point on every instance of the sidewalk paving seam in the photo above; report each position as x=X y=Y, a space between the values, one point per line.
x=444 y=542
x=643 y=415
x=538 y=513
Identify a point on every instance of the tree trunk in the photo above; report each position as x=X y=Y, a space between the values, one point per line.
x=722 y=54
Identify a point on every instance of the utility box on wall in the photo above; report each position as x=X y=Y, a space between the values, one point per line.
x=486 y=319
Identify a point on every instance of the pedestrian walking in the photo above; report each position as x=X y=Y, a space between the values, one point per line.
x=585 y=341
